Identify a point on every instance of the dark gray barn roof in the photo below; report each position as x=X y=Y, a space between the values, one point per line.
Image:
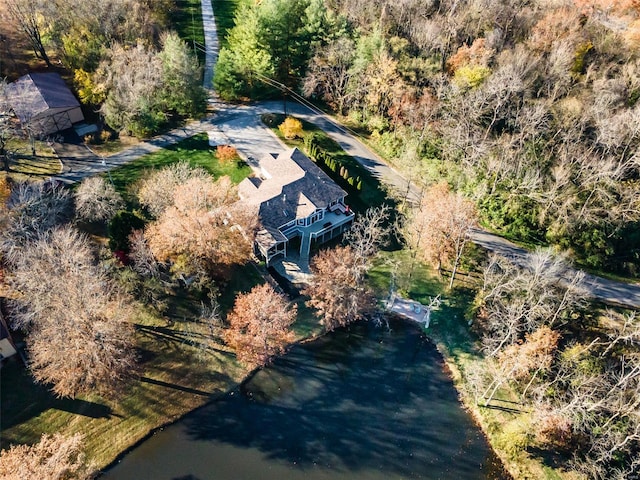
x=35 y=93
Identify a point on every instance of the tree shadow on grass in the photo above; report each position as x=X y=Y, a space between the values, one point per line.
x=174 y=386
x=175 y=337
x=84 y=408
x=21 y=399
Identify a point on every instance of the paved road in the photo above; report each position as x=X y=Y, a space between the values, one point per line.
x=212 y=47
x=607 y=291
x=241 y=125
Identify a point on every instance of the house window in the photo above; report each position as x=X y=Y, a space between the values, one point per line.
x=318 y=215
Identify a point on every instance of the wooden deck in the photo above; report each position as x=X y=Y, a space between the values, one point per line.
x=411 y=309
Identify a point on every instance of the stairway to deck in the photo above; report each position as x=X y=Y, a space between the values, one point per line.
x=305 y=247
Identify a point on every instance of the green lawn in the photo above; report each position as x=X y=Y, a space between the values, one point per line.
x=24 y=166
x=195 y=151
x=372 y=193
x=187 y=21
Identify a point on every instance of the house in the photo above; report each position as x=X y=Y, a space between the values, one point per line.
x=43 y=103
x=297 y=204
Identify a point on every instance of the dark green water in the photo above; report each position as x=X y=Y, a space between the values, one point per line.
x=362 y=403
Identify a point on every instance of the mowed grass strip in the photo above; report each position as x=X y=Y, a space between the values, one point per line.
x=186 y=19
x=194 y=150
x=224 y=11
x=25 y=166
x=178 y=374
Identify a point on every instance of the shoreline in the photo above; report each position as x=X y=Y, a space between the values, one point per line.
x=449 y=368
x=213 y=398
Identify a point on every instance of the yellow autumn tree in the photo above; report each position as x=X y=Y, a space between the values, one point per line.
x=291 y=128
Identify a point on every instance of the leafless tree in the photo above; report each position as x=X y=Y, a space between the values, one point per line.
x=517 y=299
x=141 y=256
x=368 y=233
x=597 y=391
x=524 y=361
x=156 y=189
x=97 y=200
x=32 y=209
x=26 y=14
x=54 y=457
x=329 y=73
x=78 y=333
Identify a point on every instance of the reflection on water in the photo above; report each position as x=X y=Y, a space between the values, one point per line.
x=362 y=403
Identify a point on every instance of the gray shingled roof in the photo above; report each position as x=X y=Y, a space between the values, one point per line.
x=36 y=93
x=287 y=198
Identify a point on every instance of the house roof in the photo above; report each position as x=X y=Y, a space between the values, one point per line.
x=290 y=187
x=35 y=93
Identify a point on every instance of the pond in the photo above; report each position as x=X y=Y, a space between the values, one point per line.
x=365 y=402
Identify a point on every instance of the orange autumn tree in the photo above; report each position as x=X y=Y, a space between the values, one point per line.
x=439 y=228
x=259 y=325
x=338 y=291
x=205 y=230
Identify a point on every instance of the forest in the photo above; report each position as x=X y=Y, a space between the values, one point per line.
x=529 y=108
x=123 y=57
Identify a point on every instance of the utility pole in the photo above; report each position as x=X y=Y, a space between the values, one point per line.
x=284 y=101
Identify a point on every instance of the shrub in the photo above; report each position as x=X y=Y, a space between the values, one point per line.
x=226 y=153
x=471 y=77
x=105 y=136
x=291 y=128
x=121 y=226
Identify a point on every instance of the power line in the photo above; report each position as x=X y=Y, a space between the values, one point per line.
x=305 y=102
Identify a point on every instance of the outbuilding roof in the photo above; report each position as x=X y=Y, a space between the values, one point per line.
x=35 y=93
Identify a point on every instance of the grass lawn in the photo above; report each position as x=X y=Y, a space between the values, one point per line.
x=179 y=372
x=24 y=166
x=195 y=151
x=372 y=193
x=186 y=19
